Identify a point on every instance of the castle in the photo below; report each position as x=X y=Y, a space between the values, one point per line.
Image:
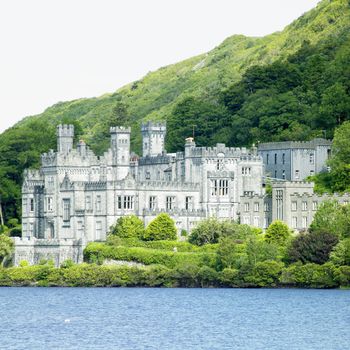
x=76 y=196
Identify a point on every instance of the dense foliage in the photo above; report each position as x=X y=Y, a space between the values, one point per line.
x=162 y=227
x=242 y=257
x=129 y=226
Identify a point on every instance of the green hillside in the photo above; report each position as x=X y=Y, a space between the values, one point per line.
x=245 y=90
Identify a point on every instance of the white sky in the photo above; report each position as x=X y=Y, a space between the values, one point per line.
x=57 y=50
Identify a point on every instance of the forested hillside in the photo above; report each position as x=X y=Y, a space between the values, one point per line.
x=289 y=85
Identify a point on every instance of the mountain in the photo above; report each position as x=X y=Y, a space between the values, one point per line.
x=281 y=86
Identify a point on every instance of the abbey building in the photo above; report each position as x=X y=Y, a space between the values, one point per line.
x=76 y=196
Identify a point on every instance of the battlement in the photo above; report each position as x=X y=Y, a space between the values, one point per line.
x=220 y=148
x=64 y=130
x=169 y=185
x=153 y=126
x=294 y=144
x=177 y=212
x=293 y=184
x=120 y=129
x=158 y=159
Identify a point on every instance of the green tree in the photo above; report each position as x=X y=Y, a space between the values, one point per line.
x=162 y=227
x=340 y=255
x=211 y=229
x=332 y=217
x=129 y=226
x=314 y=247
x=278 y=233
x=6 y=248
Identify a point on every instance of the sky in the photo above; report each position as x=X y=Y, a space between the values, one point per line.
x=60 y=50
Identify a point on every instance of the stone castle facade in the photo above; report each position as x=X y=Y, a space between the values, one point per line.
x=75 y=196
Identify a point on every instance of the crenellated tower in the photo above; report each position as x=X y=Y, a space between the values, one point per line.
x=153 y=138
x=65 y=136
x=120 y=145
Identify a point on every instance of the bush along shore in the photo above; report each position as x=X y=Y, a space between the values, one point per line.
x=215 y=254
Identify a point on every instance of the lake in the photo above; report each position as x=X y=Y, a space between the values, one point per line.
x=142 y=318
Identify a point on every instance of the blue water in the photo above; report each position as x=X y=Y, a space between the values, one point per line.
x=112 y=318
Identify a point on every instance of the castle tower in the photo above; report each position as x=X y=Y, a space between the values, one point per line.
x=65 y=135
x=120 y=145
x=153 y=138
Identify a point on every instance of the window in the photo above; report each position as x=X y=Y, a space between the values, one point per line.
x=304 y=206
x=88 y=203
x=304 y=222
x=275 y=158
x=98 y=203
x=312 y=172
x=50 y=182
x=49 y=204
x=189 y=203
x=312 y=159
x=152 y=202
x=119 y=202
x=256 y=207
x=283 y=174
x=31 y=204
x=246 y=220
x=297 y=174
x=219 y=164
x=279 y=200
x=294 y=221
x=148 y=175
x=170 y=200
x=314 y=206
x=98 y=229
x=283 y=158
x=256 y=221
x=129 y=202
x=80 y=228
x=294 y=206
x=267 y=158
x=31 y=229
x=219 y=187
x=246 y=207
x=275 y=174
x=266 y=207
x=246 y=170
x=24 y=205
x=66 y=209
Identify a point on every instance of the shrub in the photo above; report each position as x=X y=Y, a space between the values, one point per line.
x=265 y=274
x=340 y=254
x=332 y=217
x=209 y=231
x=128 y=227
x=161 y=228
x=313 y=247
x=277 y=233
x=310 y=275
x=229 y=277
x=6 y=248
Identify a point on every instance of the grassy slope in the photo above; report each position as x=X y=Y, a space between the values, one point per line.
x=153 y=96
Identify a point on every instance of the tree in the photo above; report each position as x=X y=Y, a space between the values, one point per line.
x=332 y=217
x=314 y=247
x=340 y=255
x=120 y=115
x=278 y=233
x=6 y=248
x=162 y=227
x=129 y=226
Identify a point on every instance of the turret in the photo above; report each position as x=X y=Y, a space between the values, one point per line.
x=65 y=136
x=120 y=145
x=153 y=138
